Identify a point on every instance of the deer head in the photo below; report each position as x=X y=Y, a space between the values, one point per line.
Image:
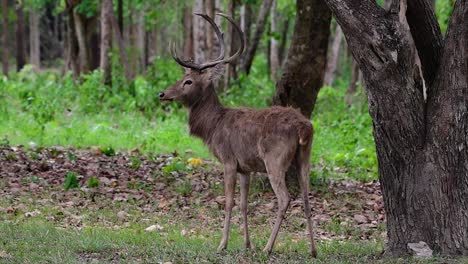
x=199 y=77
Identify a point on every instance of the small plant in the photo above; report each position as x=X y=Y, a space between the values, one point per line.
x=176 y=165
x=10 y=156
x=108 y=151
x=184 y=188
x=71 y=181
x=34 y=155
x=71 y=156
x=135 y=163
x=4 y=142
x=93 y=182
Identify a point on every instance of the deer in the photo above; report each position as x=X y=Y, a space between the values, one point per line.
x=244 y=140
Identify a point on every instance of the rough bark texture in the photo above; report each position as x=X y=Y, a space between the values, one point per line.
x=274 y=48
x=120 y=16
x=20 y=38
x=106 y=40
x=332 y=61
x=253 y=45
x=5 y=37
x=421 y=144
x=34 y=40
x=303 y=73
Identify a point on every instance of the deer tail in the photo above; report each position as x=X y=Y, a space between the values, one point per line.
x=305 y=132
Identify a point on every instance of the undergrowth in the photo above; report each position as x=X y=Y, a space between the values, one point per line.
x=44 y=109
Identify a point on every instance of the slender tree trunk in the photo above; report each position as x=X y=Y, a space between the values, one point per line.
x=284 y=39
x=20 y=38
x=352 y=83
x=246 y=21
x=73 y=60
x=141 y=41
x=82 y=43
x=210 y=38
x=416 y=89
x=274 y=48
x=5 y=37
x=106 y=41
x=121 y=45
x=120 y=16
x=229 y=45
x=260 y=27
x=188 y=33
x=332 y=62
x=199 y=34
x=34 y=40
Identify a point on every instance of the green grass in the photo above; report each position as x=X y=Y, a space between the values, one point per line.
x=37 y=241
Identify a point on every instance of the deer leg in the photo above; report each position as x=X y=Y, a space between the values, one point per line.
x=278 y=183
x=244 y=190
x=304 y=184
x=229 y=189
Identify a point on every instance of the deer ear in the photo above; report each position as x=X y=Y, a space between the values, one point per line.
x=216 y=72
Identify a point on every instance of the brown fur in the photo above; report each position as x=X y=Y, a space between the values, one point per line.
x=248 y=140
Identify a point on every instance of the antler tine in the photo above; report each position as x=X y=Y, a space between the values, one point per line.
x=218 y=33
x=241 y=36
x=184 y=63
x=237 y=54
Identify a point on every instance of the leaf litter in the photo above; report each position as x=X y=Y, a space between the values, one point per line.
x=32 y=180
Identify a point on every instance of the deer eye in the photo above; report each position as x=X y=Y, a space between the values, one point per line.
x=189 y=82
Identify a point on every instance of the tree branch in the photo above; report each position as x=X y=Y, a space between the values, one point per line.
x=427 y=37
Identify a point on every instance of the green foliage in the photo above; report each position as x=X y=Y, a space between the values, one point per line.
x=71 y=181
x=444 y=9
x=93 y=182
x=176 y=165
x=108 y=151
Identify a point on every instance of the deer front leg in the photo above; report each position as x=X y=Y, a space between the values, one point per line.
x=244 y=190
x=230 y=172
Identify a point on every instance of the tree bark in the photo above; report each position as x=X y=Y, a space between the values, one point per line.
x=106 y=41
x=141 y=41
x=188 y=33
x=20 y=38
x=5 y=37
x=121 y=45
x=332 y=62
x=274 y=48
x=352 y=83
x=210 y=38
x=284 y=39
x=248 y=58
x=246 y=21
x=34 y=39
x=229 y=38
x=199 y=34
x=421 y=142
x=72 y=60
x=80 y=30
x=120 y=16
x=304 y=70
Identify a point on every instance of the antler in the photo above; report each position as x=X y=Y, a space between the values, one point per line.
x=220 y=59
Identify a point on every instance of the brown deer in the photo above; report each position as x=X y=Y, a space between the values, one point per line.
x=245 y=140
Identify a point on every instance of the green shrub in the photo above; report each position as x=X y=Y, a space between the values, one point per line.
x=71 y=181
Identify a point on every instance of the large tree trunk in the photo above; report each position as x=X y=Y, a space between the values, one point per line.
x=20 y=39
x=249 y=55
x=72 y=59
x=303 y=73
x=5 y=37
x=121 y=46
x=274 y=48
x=332 y=62
x=199 y=34
x=34 y=40
x=421 y=140
x=106 y=41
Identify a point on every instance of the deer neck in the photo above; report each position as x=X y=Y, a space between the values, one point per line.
x=205 y=114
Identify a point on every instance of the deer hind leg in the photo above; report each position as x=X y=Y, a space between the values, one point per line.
x=244 y=190
x=229 y=190
x=276 y=165
x=303 y=160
